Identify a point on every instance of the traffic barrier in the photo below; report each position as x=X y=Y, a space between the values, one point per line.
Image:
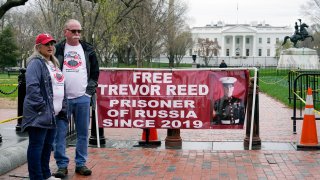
x=149 y=137
x=309 y=137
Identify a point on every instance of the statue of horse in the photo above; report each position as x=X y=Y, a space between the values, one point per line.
x=300 y=36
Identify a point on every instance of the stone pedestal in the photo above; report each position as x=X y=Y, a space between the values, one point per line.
x=298 y=58
x=194 y=65
x=173 y=139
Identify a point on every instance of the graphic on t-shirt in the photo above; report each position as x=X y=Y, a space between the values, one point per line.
x=59 y=76
x=72 y=60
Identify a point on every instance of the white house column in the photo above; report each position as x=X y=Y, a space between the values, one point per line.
x=254 y=46
x=243 y=45
x=233 y=45
x=223 y=53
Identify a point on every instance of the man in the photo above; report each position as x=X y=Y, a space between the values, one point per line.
x=223 y=64
x=80 y=67
x=228 y=110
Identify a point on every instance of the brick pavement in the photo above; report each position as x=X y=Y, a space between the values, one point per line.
x=159 y=163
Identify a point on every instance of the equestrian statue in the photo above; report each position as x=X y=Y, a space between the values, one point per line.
x=300 y=34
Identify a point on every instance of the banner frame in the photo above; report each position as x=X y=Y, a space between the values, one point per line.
x=194 y=69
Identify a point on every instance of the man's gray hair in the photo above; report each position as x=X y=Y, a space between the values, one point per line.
x=70 y=21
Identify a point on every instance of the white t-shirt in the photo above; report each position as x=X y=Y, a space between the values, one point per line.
x=57 y=80
x=75 y=71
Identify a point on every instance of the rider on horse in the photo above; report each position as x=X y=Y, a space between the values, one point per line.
x=300 y=34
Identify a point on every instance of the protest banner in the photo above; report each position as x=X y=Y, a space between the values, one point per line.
x=182 y=99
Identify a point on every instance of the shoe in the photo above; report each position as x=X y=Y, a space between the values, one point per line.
x=83 y=170
x=61 y=173
x=53 y=178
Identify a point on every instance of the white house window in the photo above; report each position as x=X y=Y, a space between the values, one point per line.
x=227 y=52
x=228 y=40
x=268 y=52
x=268 y=40
x=277 y=40
x=260 y=52
x=247 y=40
x=260 y=40
x=247 y=52
x=238 y=40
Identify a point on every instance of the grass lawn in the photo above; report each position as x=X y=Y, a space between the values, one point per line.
x=8 y=84
x=275 y=83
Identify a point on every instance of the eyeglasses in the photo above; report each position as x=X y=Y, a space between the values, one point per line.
x=49 y=44
x=75 y=31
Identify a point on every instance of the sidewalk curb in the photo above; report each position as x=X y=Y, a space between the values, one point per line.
x=13 y=156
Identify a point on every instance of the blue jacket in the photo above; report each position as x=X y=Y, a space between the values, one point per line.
x=38 y=110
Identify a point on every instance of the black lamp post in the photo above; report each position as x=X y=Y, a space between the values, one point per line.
x=194 y=57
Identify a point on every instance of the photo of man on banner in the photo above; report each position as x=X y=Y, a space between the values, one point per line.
x=229 y=101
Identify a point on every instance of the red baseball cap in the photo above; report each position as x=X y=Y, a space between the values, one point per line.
x=44 y=38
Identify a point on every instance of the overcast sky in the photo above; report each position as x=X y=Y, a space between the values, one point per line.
x=273 y=12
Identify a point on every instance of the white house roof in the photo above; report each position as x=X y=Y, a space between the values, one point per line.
x=239 y=29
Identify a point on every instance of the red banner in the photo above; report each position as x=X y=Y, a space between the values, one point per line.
x=178 y=99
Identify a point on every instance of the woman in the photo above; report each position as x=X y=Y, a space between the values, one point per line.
x=44 y=101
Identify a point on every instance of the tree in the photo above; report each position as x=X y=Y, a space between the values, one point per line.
x=175 y=29
x=182 y=43
x=146 y=25
x=8 y=48
x=10 y=4
x=113 y=36
x=207 y=48
x=311 y=10
x=7 y=5
x=279 y=47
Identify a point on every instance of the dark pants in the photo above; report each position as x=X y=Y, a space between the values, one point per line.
x=39 y=150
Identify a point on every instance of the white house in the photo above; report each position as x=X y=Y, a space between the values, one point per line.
x=241 y=42
x=243 y=39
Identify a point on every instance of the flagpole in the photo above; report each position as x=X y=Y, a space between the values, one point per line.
x=237 y=14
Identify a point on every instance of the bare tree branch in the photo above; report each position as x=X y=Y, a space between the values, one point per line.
x=10 y=4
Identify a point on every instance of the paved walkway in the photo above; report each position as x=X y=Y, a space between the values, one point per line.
x=194 y=162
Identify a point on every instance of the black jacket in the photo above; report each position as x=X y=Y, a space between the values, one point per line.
x=91 y=63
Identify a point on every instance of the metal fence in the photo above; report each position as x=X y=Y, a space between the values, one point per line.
x=299 y=82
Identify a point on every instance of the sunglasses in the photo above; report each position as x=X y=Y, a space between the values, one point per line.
x=49 y=44
x=75 y=31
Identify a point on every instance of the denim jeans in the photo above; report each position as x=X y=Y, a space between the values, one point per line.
x=79 y=108
x=39 y=150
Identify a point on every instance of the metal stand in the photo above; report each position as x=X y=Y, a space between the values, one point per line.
x=21 y=95
x=93 y=137
x=256 y=141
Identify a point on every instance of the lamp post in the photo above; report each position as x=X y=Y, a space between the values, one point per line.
x=194 y=58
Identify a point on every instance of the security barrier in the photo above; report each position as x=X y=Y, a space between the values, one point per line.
x=299 y=81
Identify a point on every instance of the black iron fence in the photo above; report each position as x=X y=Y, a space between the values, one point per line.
x=299 y=82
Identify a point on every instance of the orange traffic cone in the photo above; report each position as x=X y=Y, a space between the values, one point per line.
x=150 y=137
x=309 y=137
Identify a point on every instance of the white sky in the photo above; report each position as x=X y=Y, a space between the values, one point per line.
x=273 y=12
